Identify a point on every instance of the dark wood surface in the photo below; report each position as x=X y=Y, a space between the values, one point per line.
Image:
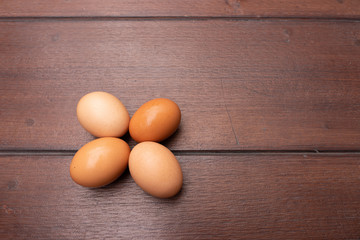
x=255 y=85
x=269 y=141
x=182 y=8
x=259 y=196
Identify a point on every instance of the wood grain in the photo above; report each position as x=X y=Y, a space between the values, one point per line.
x=178 y=8
x=241 y=85
x=223 y=197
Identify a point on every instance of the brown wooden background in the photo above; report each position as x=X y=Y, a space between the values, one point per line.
x=269 y=138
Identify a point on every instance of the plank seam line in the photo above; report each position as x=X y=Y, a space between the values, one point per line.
x=190 y=152
x=174 y=18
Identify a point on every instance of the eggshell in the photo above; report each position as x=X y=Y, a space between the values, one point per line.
x=155 y=121
x=100 y=162
x=155 y=169
x=103 y=115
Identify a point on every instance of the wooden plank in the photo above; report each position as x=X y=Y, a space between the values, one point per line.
x=256 y=85
x=224 y=197
x=187 y=8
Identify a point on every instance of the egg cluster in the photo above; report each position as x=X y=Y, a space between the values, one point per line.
x=152 y=166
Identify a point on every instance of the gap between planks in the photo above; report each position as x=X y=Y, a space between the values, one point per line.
x=174 y=18
x=191 y=152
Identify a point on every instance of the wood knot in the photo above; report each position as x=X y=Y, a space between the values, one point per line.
x=287 y=34
x=29 y=122
x=12 y=185
x=55 y=37
x=233 y=4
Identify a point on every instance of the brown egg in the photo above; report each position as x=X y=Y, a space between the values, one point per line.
x=155 y=169
x=103 y=115
x=100 y=162
x=155 y=121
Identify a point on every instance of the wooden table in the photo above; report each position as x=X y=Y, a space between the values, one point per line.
x=269 y=141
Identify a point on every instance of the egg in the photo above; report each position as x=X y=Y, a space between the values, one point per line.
x=155 y=169
x=100 y=162
x=155 y=121
x=103 y=115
